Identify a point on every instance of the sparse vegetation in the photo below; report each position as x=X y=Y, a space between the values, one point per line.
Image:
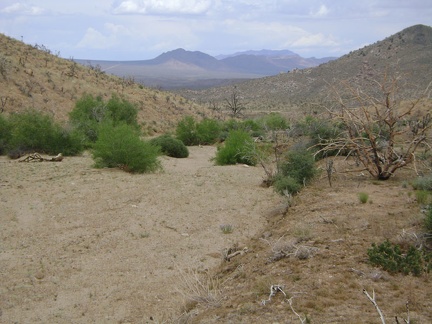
x=423 y=183
x=226 y=228
x=363 y=197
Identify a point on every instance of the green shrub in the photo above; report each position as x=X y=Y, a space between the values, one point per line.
x=186 y=131
x=253 y=127
x=4 y=134
x=120 y=110
x=363 y=197
x=286 y=184
x=89 y=112
x=208 y=131
x=423 y=183
x=428 y=220
x=236 y=149
x=33 y=131
x=422 y=197
x=274 y=121
x=392 y=259
x=298 y=164
x=171 y=146
x=121 y=146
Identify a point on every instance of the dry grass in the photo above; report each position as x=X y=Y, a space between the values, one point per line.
x=333 y=231
x=198 y=287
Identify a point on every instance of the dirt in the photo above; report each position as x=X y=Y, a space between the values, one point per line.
x=86 y=245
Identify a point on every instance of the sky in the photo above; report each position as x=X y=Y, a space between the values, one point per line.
x=124 y=30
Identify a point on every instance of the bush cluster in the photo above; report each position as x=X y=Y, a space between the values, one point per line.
x=209 y=131
x=273 y=121
x=392 y=259
x=423 y=183
x=296 y=169
x=170 y=146
x=33 y=131
x=120 y=146
x=191 y=132
x=236 y=149
x=89 y=112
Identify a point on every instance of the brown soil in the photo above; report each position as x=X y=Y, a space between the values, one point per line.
x=85 y=245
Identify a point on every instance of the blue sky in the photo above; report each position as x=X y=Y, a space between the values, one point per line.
x=143 y=29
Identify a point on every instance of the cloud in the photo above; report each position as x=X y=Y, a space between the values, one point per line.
x=314 y=40
x=167 y=7
x=321 y=12
x=95 y=39
x=22 y=9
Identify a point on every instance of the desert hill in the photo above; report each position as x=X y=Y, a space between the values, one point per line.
x=33 y=77
x=408 y=52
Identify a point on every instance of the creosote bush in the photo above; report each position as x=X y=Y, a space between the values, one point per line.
x=392 y=259
x=121 y=146
x=205 y=132
x=422 y=183
x=295 y=170
x=286 y=184
x=33 y=131
x=4 y=134
x=236 y=149
x=273 y=121
x=90 y=112
x=170 y=146
x=186 y=131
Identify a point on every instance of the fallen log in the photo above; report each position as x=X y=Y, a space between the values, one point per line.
x=36 y=157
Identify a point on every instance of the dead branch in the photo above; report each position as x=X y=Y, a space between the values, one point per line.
x=302 y=320
x=36 y=157
x=273 y=291
x=379 y=129
x=373 y=301
x=228 y=254
x=407 y=320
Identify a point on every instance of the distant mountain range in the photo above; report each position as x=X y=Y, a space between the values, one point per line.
x=193 y=69
x=407 y=54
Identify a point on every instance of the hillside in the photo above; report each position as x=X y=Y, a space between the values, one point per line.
x=32 y=77
x=408 y=52
x=197 y=70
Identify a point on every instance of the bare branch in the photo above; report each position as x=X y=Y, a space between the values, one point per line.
x=373 y=301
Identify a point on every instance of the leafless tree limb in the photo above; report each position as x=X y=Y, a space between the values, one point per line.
x=381 y=130
x=373 y=301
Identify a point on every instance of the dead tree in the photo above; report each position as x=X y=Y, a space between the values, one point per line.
x=381 y=129
x=235 y=103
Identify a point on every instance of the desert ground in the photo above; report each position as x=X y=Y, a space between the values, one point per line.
x=86 y=245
